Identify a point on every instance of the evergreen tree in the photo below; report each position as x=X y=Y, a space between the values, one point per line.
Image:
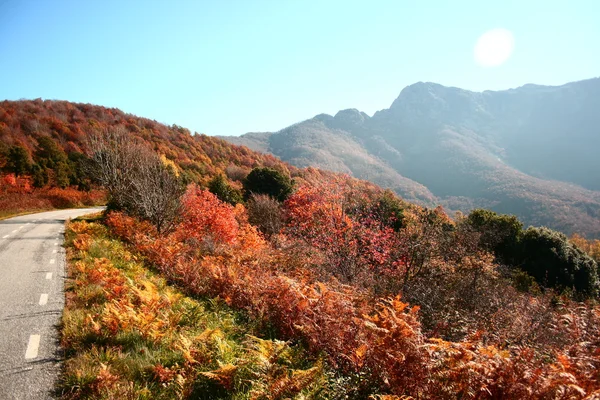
x=18 y=160
x=40 y=176
x=61 y=174
x=268 y=181
x=224 y=191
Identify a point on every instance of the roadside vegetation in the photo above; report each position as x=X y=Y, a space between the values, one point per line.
x=128 y=334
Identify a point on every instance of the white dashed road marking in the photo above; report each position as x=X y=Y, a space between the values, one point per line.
x=54 y=251
x=52 y=261
x=13 y=231
x=32 y=347
x=48 y=275
x=43 y=299
x=5 y=236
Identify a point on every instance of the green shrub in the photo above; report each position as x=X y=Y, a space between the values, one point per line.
x=268 y=181
x=224 y=191
x=548 y=256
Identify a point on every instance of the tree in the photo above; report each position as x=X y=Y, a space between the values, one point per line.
x=591 y=247
x=268 y=181
x=61 y=174
x=352 y=248
x=265 y=213
x=135 y=178
x=548 y=256
x=49 y=153
x=4 y=151
x=542 y=253
x=389 y=210
x=224 y=191
x=236 y=173
x=40 y=176
x=157 y=191
x=18 y=160
x=207 y=219
x=499 y=233
x=426 y=238
x=79 y=164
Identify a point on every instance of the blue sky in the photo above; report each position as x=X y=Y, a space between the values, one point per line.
x=230 y=67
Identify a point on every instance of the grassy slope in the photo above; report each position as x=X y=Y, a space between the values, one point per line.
x=129 y=334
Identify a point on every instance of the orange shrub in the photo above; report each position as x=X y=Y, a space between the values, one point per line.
x=205 y=217
x=9 y=180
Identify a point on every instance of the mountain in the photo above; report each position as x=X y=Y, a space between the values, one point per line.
x=530 y=151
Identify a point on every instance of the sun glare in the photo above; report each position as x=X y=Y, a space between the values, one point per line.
x=494 y=47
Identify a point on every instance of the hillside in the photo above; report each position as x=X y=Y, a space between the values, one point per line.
x=27 y=124
x=528 y=151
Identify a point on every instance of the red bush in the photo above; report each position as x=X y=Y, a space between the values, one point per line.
x=205 y=217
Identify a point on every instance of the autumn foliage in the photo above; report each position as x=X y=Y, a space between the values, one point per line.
x=206 y=218
x=303 y=283
x=197 y=157
x=130 y=335
x=350 y=241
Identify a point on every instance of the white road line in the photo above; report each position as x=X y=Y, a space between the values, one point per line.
x=52 y=261
x=48 y=275
x=5 y=236
x=32 y=347
x=54 y=251
x=56 y=244
x=43 y=299
x=13 y=231
x=21 y=227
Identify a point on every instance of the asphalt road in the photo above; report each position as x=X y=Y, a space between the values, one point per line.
x=32 y=275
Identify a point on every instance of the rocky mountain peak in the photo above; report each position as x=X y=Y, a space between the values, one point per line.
x=351 y=115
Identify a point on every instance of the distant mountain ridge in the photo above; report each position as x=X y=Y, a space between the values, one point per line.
x=530 y=151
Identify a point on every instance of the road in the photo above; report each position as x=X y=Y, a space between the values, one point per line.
x=32 y=275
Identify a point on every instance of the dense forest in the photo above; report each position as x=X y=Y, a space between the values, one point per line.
x=383 y=298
